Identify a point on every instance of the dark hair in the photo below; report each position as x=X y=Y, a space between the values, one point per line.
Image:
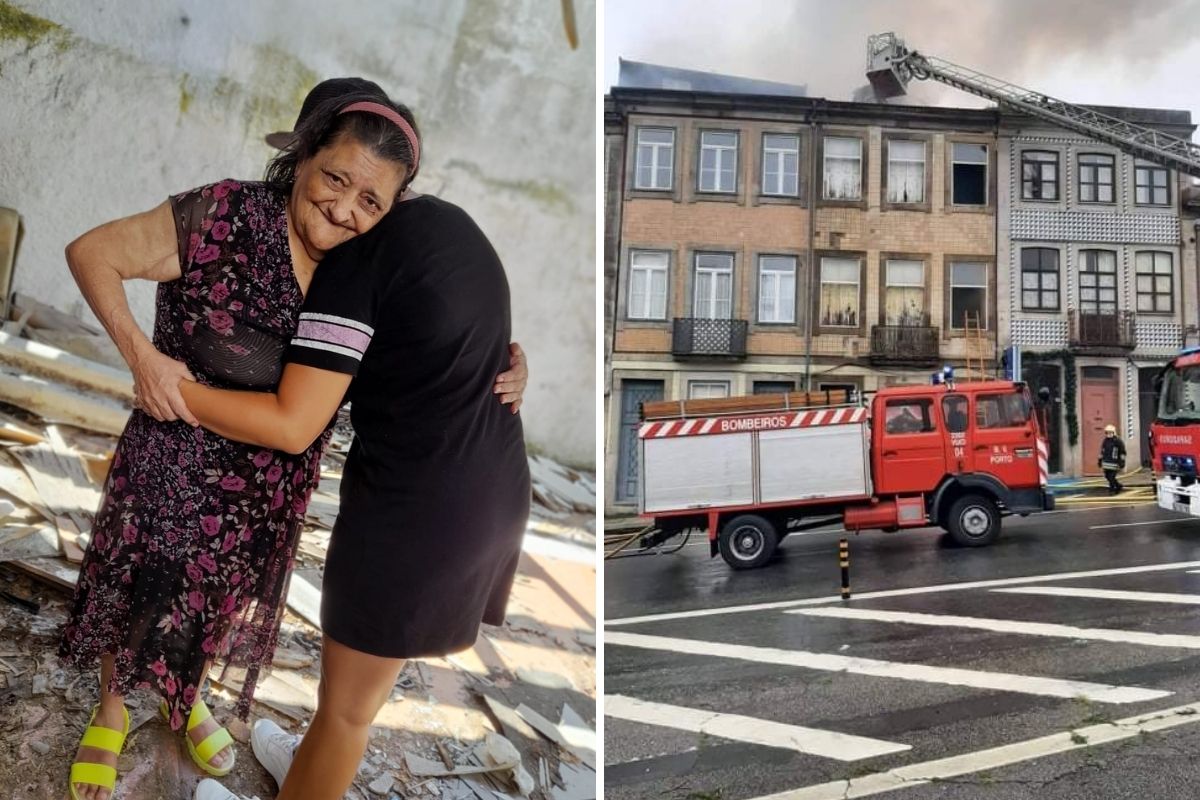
x=325 y=124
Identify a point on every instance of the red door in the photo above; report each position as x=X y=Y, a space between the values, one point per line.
x=911 y=452
x=1098 y=402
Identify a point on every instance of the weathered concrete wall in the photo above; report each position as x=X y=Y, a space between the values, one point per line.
x=106 y=108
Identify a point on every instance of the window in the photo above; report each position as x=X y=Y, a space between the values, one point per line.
x=774 y=387
x=714 y=286
x=776 y=289
x=908 y=416
x=718 y=161
x=1098 y=282
x=954 y=409
x=968 y=295
x=1039 y=175
x=704 y=390
x=1001 y=411
x=843 y=168
x=906 y=171
x=1039 y=279
x=1155 y=280
x=968 y=177
x=1150 y=185
x=1095 y=178
x=904 y=293
x=781 y=165
x=647 y=285
x=655 y=158
x=839 y=292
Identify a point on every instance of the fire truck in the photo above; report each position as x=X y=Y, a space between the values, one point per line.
x=1175 y=434
x=958 y=456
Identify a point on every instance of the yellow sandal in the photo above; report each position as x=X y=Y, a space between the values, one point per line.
x=214 y=743
x=109 y=740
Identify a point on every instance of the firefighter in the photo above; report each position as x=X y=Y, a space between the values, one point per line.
x=1112 y=458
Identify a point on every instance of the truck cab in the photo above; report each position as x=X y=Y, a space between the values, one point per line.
x=1175 y=434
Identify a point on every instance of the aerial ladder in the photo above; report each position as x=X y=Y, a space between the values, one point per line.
x=891 y=66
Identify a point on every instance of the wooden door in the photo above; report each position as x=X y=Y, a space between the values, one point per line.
x=1099 y=406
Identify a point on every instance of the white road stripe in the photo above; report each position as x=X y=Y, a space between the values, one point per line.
x=1108 y=594
x=829 y=744
x=976 y=679
x=1007 y=626
x=945 y=587
x=1137 y=524
x=955 y=766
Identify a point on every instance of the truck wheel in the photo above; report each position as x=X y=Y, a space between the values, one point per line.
x=973 y=521
x=748 y=541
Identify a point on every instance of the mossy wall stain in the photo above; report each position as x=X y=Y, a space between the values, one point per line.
x=540 y=192
x=281 y=81
x=16 y=24
x=185 y=96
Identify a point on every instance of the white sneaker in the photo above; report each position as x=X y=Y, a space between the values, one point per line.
x=274 y=748
x=208 y=789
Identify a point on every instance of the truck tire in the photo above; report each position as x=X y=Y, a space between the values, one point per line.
x=748 y=541
x=973 y=521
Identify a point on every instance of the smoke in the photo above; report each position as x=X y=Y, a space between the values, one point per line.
x=823 y=44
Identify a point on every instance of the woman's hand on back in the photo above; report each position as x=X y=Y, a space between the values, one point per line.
x=156 y=380
x=510 y=385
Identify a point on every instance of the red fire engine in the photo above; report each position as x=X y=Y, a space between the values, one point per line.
x=959 y=456
x=1175 y=434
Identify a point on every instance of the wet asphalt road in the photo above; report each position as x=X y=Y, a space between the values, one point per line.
x=935 y=720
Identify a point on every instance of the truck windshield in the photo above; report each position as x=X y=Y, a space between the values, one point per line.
x=1180 y=400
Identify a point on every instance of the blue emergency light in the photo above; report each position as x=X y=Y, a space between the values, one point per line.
x=946 y=376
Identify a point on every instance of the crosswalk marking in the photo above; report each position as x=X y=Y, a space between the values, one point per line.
x=813 y=741
x=978 y=679
x=1007 y=626
x=955 y=766
x=1107 y=594
x=944 y=587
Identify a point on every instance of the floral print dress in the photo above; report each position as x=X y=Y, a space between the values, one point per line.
x=195 y=536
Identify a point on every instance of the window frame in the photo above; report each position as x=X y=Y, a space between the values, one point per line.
x=1154 y=293
x=1151 y=168
x=633 y=254
x=1084 y=253
x=840 y=330
x=735 y=149
x=928 y=418
x=1040 y=272
x=692 y=383
x=862 y=168
x=988 y=279
x=1057 y=162
x=656 y=146
x=885 y=261
x=987 y=175
x=695 y=283
x=795 y=273
x=763 y=176
x=1112 y=165
x=887 y=177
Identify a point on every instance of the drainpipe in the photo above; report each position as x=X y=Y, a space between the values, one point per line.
x=812 y=234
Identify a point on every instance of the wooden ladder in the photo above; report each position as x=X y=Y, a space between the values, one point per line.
x=976 y=347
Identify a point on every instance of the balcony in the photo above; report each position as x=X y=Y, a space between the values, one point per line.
x=696 y=337
x=907 y=345
x=1102 y=334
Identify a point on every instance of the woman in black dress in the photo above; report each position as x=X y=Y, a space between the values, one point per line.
x=435 y=493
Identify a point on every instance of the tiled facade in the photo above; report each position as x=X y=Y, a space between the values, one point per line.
x=1102 y=250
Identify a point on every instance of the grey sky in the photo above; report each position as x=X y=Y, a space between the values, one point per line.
x=1112 y=52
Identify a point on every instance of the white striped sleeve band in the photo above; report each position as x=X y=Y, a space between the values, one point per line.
x=341 y=335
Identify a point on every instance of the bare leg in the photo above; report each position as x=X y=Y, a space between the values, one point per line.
x=204 y=729
x=110 y=715
x=354 y=686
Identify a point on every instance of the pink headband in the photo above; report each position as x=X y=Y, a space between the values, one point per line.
x=399 y=121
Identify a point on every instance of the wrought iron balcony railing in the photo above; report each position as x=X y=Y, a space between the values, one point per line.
x=915 y=345
x=712 y=338
x=1112 y=331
